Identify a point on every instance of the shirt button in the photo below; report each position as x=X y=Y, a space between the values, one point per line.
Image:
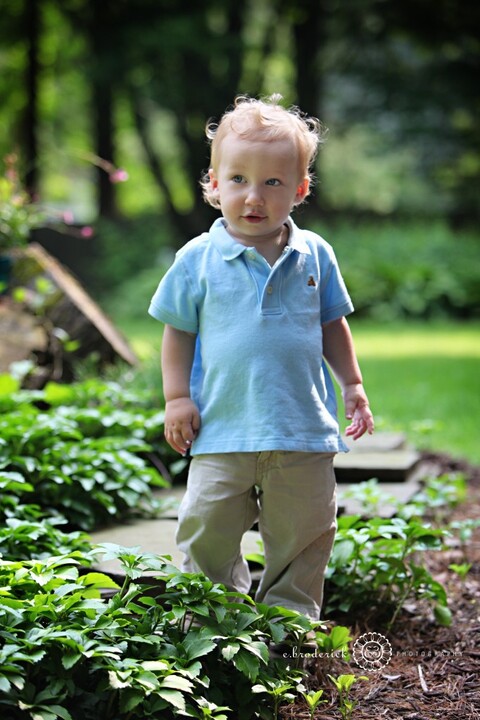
x=269 y=289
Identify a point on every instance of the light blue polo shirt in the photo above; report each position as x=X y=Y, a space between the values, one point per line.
x=258 y=376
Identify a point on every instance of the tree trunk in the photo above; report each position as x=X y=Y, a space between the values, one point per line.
x=101 y=38
x=32 y=27
x=309 y=36
x=103 y=104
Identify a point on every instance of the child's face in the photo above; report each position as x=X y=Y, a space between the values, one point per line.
x=258 y=183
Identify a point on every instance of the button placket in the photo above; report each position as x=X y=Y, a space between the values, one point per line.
x=271 y=302
x=257 y=270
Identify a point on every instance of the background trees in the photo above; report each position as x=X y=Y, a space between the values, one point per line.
x=132 y=82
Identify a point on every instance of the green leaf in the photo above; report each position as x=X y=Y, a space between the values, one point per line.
x=244 y=620
x=247 y=664
x=230 y=650
x=339 y=637
x=50 y=712
x=155 y=665
x=173 y=697
x=116 y=682
x=259 y=649
x=99 y=580
x=443 y=615
x=195 y=646
x=177 y=682
x=71 y=659
x=56 y=394
x=61 y=712
x=343 y=550
x=8 y=385
x=4 y=684
x=129 y=699
x=147 y=679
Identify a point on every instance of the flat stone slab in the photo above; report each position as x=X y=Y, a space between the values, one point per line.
x=378 y=442
x=153 y=536
x=385 y=456
x=386 y=467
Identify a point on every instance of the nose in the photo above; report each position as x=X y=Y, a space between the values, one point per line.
x=254 y=196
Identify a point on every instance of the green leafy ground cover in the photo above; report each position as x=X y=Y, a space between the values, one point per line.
x=74 y=645
x=179 y=647
x=80 y=451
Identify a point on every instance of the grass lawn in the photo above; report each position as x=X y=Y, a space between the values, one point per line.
x=422 y=378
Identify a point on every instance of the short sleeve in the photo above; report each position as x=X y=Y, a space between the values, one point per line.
x=174 y=300
x=335 y=300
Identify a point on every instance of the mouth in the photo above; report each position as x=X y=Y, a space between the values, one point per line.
x=252 y=218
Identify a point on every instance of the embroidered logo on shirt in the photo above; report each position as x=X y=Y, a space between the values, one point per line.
x=311 y=281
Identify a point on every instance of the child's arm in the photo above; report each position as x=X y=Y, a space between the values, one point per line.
x=339 y=352
x=182 y=418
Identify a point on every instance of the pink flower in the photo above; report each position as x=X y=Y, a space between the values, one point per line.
x=119 y=175
x=86 y=232
x=68 y=217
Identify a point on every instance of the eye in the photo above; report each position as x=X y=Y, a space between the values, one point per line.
x=273 y=181
x=237 y=179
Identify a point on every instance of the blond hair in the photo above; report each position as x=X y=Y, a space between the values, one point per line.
x=269 y=120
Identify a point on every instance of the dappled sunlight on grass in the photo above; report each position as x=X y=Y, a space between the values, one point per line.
x=144 y=348
x=434 y=400
x=446 y=339
x=423 y=379
x=145 y=336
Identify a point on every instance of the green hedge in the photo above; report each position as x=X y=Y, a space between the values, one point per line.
x=409 y=270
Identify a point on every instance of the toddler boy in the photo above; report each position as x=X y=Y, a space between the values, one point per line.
x=253 y=310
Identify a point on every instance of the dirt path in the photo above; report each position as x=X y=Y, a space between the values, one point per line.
x=434 y=672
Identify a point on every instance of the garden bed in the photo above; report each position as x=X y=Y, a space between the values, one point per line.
x=79 y=653
x=434 y=671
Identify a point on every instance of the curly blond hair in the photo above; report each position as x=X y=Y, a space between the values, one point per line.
x=265 y=119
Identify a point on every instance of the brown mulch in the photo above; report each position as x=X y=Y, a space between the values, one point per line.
x=434 y=671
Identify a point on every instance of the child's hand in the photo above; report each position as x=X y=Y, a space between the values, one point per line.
x=182 y=423
x=358 y=411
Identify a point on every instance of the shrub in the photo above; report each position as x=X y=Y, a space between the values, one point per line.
x=173 y=646
x=409 y=269
x=81 y=451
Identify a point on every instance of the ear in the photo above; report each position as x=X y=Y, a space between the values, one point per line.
x=213 y=179
x=302 y=191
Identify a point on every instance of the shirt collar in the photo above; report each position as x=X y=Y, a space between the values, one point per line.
x=229 y=248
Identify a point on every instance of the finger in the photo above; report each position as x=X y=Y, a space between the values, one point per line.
x=356 y=430
x=368 y=418
x=175 y=439
x=188 y=434
x=349 y=410
x=360 y=423
x=174 y=446
x=195 y=424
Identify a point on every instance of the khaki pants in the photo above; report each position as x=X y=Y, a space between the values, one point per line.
x=291 y=494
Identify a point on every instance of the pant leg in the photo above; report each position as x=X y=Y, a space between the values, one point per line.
x=219 y=506
x=298 y=524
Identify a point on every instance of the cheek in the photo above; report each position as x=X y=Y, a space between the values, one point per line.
x=229 y=196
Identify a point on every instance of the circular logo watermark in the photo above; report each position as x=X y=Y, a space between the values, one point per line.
x=372 y=651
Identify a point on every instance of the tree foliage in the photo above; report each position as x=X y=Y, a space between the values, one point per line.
x=100 y=80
